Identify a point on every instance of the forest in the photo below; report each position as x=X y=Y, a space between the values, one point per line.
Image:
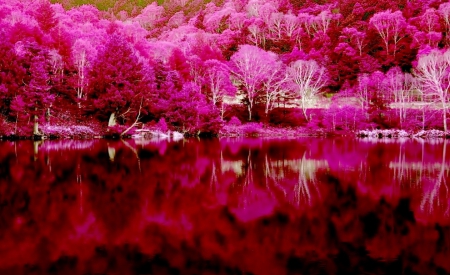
x=94 y=68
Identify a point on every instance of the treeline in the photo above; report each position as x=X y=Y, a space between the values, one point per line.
x=197 y=64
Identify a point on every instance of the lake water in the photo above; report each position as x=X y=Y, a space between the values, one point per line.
x=228 y=206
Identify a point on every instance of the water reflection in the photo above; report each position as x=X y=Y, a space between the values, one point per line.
x=232 y=206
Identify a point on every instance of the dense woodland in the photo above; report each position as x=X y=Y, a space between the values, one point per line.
x=195 y=66
x=228 y=206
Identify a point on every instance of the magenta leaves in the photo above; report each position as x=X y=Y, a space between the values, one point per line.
x=199 y=64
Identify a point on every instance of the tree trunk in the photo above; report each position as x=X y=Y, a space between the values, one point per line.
x=222 y=110
x=36 y=126
x=112 y=120
x=15 y=127
x=304 y=110
x=444 y=109
x=249 y=113
x=423 y=118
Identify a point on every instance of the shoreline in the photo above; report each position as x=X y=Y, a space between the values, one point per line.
x=242 y=131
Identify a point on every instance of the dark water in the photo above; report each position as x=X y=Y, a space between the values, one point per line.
x=230 y=206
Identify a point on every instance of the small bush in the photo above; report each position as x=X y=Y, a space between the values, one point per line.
x=68 y=130
x=162 y=125
x=345 y=118
x=252 y=128
x=234 y=121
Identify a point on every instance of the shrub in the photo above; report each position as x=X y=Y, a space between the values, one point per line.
x=67 y=130
x=234 y=121
x=286 y=117
x=6 y=128
x=162 y=125
x=251 y=128
x=347 y=118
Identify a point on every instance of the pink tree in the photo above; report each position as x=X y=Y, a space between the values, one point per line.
x=391 y=28
x=276 y=85
x=34 y=95
x=257 y=34
x=362 y=90
x=177 y=20
x=427 y=29
x=83 y=54
x=401 y=87
x=444 y=11
x=429 y=21
x=11 y=74
x=276 y=25
x=218 y=83
x=237 y=21
x=45 y=16
x=151 y=16
x=344 y=116
x=118 y=85
x=290 y=24
x=250 y=67
x=187 y=110
x=306 y=21
x=321 y=23
x=355 y=37
x=217 y=21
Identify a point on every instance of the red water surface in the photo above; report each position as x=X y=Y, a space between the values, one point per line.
x=228 y=206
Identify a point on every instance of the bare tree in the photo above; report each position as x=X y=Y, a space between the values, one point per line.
x=290 y=24
x=431 y=197
x=257 y=34
x=433 y=74
x=82 y=53
x=308 y=79
x=275 y=24
x=401 y=87
x=250 y=67
x=217 y=79
x=275 y=86
x=362 y=91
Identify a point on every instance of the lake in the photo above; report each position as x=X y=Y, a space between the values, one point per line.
x=225 y=206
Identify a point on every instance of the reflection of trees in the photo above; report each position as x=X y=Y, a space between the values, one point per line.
x=36 y=145
x=274 y=174
x=251 y=193
x=427 y=171
x=400 y=170
x=412 y=170
x=151 y=215
x=432 y=194
x=301 y=172
x=306 y=181
x=111 y=152
x=134 y=150
x=232 y=165
x=259 y=172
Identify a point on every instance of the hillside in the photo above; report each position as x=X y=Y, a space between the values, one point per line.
x=112 y=65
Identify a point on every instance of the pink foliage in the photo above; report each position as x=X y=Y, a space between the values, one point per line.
x=229 y=55
x=116 y=78
x=188 y=112
x=345 y=117
x=162 y=125
x=234 y=121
